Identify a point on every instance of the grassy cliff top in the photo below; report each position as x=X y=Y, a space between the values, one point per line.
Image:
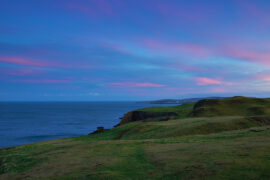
x=210 y=139
x=234 y=106
x=237 y=105
x=231 y=107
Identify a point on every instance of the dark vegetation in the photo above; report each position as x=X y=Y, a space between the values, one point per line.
x=99 y=130
x=211 y=139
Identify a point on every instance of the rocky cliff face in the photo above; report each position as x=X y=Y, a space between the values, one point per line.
x=142 y=115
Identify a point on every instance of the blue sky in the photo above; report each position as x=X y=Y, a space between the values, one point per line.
x=96 y=50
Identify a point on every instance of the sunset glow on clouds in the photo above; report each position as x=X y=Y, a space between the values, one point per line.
x=133 y=50
x=134 y=84
x=25 y=62
x=207 y=81
x=202 y=81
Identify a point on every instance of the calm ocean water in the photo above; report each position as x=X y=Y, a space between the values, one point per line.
x=28 y=122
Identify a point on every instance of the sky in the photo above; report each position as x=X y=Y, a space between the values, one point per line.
x=110 y=50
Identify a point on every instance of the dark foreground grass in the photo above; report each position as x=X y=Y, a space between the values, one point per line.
x=180 y=127
x=241 y=154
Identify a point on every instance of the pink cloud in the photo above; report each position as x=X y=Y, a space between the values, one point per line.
x=20 y=72
x=186 y=67
x=27 y=62
x=255 y=52
x=148 y=85
x=249 y=55
x=46 y=81
x=42 y=63
x=263 y=77
x=135 y=84
x=207 y=81
x=203 y=81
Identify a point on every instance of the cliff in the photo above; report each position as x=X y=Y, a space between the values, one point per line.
x=142 y=115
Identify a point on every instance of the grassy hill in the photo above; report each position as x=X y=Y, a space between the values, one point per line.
x=235 y=106
x=211 y=139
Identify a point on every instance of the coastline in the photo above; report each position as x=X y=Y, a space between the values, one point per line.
x=229 y=132
x=41 y=121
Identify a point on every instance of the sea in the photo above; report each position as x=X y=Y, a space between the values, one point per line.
x=29 y=122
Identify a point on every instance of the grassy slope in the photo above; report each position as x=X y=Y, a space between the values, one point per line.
x=183 y=111
x=223 y=147
x=235 y=106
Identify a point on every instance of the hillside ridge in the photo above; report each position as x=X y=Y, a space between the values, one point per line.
x=233 y=106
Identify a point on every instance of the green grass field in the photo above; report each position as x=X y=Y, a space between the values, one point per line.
x=212 y=139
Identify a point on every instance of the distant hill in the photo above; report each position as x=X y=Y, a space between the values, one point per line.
x=234 y=106
x=179 y=101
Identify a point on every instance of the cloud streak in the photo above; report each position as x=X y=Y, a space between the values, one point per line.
x=45 y=81
x=248 y=55
x=27 y=62
x=204 y=81
x=20 y=71
x=135 y=84
x=41 y=63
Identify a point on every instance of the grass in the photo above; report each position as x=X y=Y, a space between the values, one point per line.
x=235 y=155
x=240 y=106
x=216 y=147
x=183 y=111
